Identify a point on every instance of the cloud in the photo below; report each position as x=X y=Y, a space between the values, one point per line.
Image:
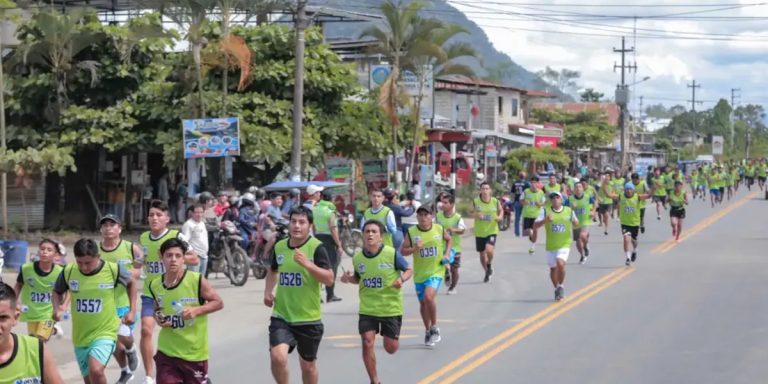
x=720 y=48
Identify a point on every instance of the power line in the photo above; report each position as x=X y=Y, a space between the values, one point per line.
x=614 y=5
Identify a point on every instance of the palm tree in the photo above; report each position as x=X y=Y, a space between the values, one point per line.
x=431 y=55
x=393 y=38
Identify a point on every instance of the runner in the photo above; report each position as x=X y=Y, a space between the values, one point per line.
x=382 y=214
x=431 y=247
x=34 y=289
x=454 y=225
x=618 y=181
x=23 y=359
x=762 y=173
x=660 y=196
x=605 y=202
x=629 y=216
x=127 y=255
x=749 y=174
x=92 y=283
x=183 y=300
x=640 y=188
x=730 y=180
x=153 y=267
x=583 y=205
x=325 y=230
x=299 y=265
x=677 y=202
x=380 y=275
x=552 y=186
x=715 y=181
x=488 y=214
x=702 y=184
x=533 y=201
x=559 y=222
x=694 y=182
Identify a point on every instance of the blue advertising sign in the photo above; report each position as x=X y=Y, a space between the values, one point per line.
x=211 y=137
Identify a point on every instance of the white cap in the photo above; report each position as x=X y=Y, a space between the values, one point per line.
x=312 y=189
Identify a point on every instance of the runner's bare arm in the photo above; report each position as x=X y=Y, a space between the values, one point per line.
x=213 y=302
x=407 y=248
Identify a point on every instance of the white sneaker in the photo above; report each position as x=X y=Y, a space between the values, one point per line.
x=452 y=291
x=149 y=380
x=532 y=250
x=59 y=330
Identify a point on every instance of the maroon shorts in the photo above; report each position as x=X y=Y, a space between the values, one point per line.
x=172 y=370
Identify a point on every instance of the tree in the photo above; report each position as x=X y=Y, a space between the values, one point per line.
x=591 y=96
x=524 y=155
x=393 y=38
x=563 y=80
x=501 y=72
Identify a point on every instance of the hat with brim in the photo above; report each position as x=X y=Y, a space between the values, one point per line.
x=424 y=209
x=110 y=217
x=552 y=195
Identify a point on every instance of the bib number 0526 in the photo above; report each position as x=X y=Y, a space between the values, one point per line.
x=290 y=279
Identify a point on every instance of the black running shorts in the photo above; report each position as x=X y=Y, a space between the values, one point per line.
x=385 y=326
x=481 y=242
x=678 y=212
x=305 y=337
x=629 y=230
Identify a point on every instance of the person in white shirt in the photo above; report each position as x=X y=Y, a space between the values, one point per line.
x=195 y=233
x=410 y=221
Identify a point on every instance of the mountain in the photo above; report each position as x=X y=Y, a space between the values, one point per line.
x=490 y=56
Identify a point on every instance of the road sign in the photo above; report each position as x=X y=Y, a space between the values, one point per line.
x=717 y=145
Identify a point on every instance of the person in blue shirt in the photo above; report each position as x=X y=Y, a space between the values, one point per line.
x=517 y=192
x=247 y=217
x=399 y=212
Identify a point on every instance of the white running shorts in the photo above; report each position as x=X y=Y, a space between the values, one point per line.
x=561 y=254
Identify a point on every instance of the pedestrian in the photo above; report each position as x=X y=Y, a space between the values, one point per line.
x=408 y=221
x=533 y=201
x=326 y=230
x=292 y=200
x=454 y=225
x=92 y=283
x=299 y=265
x=196 y=235
x=222 y=203
x=150 y=242
x=558 y=221
x=183 y=300
x=314 y=194
x=23 y=359
x=391 y=202
x=380 y=294
x=487 y=214
x=129 y=256
x=430 y=246
x=34 y=290
x=517 y=194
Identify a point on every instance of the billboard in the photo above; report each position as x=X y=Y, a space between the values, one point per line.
x=547 y=137
x=211 y=137
x=717 y=145
x=409 y=82
x=375 y=173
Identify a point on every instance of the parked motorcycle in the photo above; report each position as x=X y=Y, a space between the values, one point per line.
x=227 y=256
x=260 y=261
x=351 y=237
x=506 y=219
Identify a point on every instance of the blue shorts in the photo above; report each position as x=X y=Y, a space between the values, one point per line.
x=147 y=306
x=101 y=350
x=434 y=282
x=121 y=312
x=715 y=192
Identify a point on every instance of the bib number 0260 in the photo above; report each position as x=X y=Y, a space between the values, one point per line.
x=290 y=279
x=88 y=305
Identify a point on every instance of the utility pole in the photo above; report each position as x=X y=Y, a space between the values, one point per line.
x=734 y=96
x=622 y=97
x=298 y=92
x=3 y=176
x=693 y=106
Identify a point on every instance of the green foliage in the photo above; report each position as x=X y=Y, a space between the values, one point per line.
x=662 y=144
x=586 y=129
x=33 y=161
x=524 y=155
x=563 y=80
x=591 y=96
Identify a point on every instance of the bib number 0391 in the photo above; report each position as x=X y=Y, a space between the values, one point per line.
x=88 y=305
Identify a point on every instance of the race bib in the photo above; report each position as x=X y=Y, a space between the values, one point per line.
x=155 y=267
x=290 y=279
x=373 y=282
x=428 y=252
x=558 y=228
x=40 y=297
x=88 y=305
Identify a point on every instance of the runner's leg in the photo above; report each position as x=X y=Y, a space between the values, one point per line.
x=369 y=355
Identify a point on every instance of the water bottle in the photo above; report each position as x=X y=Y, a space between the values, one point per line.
x=178 y=308
x=65 y=317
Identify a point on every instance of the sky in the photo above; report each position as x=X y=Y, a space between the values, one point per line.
x=721 y=44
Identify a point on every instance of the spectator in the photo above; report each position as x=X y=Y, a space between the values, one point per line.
x=410 y=220
x=247 y=220
x=398 y=211
x=293 y=200
x=196 y=234
x=222 y=204
x=517 y=193
x=313 y=195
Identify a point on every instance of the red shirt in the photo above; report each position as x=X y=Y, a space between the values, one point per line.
x=219 y=209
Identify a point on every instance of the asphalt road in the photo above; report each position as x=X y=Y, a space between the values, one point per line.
x=692 y=312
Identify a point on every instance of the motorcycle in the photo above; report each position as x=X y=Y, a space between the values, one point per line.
x=506 y=219
x=227 y=256
x=351 y=237
x=260 y=261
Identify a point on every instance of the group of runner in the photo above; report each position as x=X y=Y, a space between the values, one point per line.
x=100 y=287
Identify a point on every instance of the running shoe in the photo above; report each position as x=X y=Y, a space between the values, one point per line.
x=333 y=299
x=125 y=377
x=133 y=360
x=583 y=260
x=561 y=292
x=149 y=380
x=435 y=333
x=490 y=270
x=531 y=250
x=606 y=233
x=627 y=263
x=452 y=291
x=487 y=277
x=634 y=256
x=642 y=229
x=59 y=330
x=427 y=339
x=586 y=250
x=659 y=217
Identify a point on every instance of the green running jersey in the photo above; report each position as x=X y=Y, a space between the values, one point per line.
x=26 y=363
x=184 y=339
x=37 y=292
x=426 y=262
x=451 y=222
x=629 y=210
x=297 y=298
x=381 y=217
x=377 y=296
x=531 y=210
x=123 y=256
x=153 y=265
x=582 y=208
x=560 y=229
x=487 y=224
x=93 y=303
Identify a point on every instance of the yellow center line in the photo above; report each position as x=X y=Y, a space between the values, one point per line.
x=510 y=331
x=533 y=328
x=700 y=226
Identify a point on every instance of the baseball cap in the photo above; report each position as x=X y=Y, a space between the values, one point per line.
x=423 y=208
x=312 y=189
x=555 y=193
x=629 y=186
x=110 y=217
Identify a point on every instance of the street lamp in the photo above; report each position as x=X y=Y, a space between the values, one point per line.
x=639 y=81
